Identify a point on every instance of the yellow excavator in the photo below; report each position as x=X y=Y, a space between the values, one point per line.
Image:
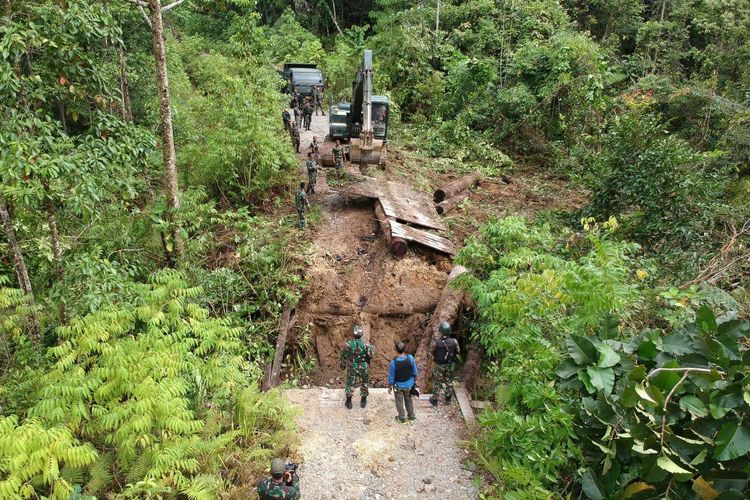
x=366 y=121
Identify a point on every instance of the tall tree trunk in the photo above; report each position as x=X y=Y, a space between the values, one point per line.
x=21 y=272
x=167 y=132
x=56 y=247
x=126 y=111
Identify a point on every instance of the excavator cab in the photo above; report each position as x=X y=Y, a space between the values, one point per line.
x=380 y=108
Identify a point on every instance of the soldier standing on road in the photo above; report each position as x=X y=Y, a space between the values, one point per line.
x=294 y=133
x=282 y=484
x=356 y=356
x=308 y=111
x=315 y=149
x=286 y=117
x=338 y=157
x=318 y=100
x=302 y=204
x=402 y=375
x=312 y=173
x=444 y=353
x=297 y=115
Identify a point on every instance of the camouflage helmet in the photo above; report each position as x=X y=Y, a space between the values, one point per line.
x=278 y=467
x=444 y=328
x=357 y=331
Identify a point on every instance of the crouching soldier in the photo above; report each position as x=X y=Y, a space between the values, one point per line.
x=444 y=354
x=355 y=357
x=283 y=483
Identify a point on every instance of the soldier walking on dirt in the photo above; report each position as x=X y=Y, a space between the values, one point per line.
x=294 y=134
x=286 y=118
x=355 y=357
x=283 y=484
x=302 y=204
x=444 y=353
x=312 y=173
x=338 y=157
x=402 y=376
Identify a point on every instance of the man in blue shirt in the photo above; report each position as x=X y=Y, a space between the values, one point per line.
x=401 y=378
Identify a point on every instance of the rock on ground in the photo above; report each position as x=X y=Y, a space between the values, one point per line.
x=366 y=454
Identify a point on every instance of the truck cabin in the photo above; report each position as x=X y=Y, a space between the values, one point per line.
x=303 y=80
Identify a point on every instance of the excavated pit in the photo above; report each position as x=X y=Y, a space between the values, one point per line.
x=353 y=278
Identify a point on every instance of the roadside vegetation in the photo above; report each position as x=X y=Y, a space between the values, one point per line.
x=134 y=333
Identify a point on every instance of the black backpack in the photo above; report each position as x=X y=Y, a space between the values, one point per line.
x=445 y=353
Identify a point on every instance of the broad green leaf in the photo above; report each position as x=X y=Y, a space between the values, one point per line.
x=666 y=463
x=732 y=441
x=581 y=350
x=602 y=378
x=677 y=343
x=592 y=487
x=638 y=373
x=567 y=369
x=608 y=326
x=693 y=405
x=607 y=356
x=705 y=319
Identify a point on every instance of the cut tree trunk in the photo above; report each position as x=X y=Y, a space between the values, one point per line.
x=398 y=246
x=457 y=186
x=447 y=309
x=21 y=272
x=447 y=205
x=167 y=131
x=272 y=378
x=55 y=238
x=472 y=367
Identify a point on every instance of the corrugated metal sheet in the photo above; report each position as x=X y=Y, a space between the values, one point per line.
x=403 y=205
x=421 y=236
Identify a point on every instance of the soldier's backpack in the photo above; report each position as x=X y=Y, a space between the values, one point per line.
x=445 y=352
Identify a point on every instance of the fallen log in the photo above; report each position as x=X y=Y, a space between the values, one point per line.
x=397 y=246
x=455 y=187
x=447 y=309
x=272 y=378
x=472 y=367
x=451 y=203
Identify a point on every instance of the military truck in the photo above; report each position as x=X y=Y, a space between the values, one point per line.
x=338 y=121
x=302 y=78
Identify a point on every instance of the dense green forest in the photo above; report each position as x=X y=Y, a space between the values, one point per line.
x=148 y=245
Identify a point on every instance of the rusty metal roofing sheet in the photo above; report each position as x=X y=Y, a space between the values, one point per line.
x=409 y=213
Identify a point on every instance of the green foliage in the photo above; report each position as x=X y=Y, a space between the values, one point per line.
x=155 y=382
x=227 y=121
x=531 y=294
x=32 y=454
x=663 y=415
x=638 y=166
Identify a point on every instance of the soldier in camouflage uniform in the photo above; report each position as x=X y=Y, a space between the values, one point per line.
x=307 y=112
x=294 y=134
x=315 y=149
x=300 y=201
x=318 y=100
x=312 y=173
x=444 y=353
x=338 y=157
x=356 y=357
x=281 y=485
x=297 y=116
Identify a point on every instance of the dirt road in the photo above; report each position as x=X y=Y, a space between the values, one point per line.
x=365 y=454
